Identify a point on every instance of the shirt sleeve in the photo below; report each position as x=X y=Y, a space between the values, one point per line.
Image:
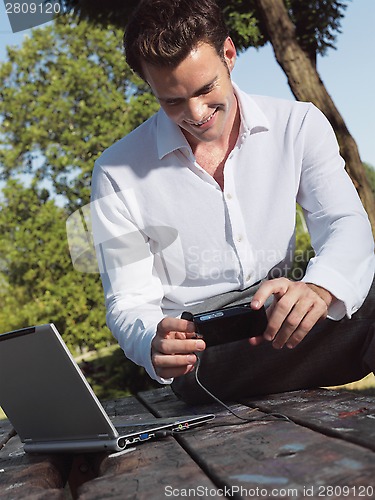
x=338 y=224
x=132 y=291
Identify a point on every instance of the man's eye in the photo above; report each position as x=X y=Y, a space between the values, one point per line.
x=173 y=102
x=207 y=91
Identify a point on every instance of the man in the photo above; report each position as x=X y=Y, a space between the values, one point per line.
x=195 y=209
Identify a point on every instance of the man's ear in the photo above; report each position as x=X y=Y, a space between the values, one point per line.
x=230 y=53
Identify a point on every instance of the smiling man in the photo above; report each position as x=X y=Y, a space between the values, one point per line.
x=204 y=107
x=195 y=210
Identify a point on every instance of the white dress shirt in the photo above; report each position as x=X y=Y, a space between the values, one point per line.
x=168 y=237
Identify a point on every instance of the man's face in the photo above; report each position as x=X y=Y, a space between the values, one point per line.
x=198 y=95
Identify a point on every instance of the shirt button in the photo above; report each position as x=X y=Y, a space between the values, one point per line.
x=248 y=277
x=239 y=238
x=229 y=196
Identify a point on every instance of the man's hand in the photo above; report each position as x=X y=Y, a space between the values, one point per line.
x=296 y=308
x=173 y=347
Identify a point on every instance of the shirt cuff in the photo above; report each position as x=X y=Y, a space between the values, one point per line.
x=347 y=301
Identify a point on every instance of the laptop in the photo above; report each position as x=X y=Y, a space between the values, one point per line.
x=53 y=408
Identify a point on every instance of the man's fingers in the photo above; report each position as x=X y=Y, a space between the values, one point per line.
x=292 y=331
x=297 y=324
x=295 y=310
x=254 y=341
x=169 y=325
x=286 y=314
x=174 y=372
x=276 y=287
x=173 y=366
x=177 y=346
x=179 y=360
x=277 y=317
x=173 y=347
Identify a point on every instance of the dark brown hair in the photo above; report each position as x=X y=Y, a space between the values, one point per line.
x=164 y=32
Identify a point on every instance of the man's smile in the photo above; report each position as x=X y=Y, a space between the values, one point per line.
x=202 y=122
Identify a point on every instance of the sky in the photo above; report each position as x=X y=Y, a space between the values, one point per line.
x=348 y=72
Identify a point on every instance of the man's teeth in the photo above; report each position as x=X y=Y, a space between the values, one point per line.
x=204 y=121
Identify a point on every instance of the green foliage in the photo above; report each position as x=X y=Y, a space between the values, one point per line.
x=66 y=95
x=38 y=282
x=245 y=26
x=316 y=21
x=304 y=250
x=112 y=376
x=370 y=172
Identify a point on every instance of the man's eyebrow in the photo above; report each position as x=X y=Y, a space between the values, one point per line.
x=202 y=90
x=206 y=87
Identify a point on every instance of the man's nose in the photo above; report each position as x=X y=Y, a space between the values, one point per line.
x=195 y=109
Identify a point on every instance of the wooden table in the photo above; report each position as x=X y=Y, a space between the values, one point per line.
x=325 y=449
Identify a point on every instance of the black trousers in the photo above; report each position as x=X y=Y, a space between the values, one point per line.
x=332 y=353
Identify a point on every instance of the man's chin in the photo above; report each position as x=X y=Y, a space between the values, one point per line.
x=195 y=136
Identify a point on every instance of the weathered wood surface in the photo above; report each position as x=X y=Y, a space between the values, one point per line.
x=147 y=471
x=325 y=451
x=275 y=456
x=31 y=477
x=342 y=414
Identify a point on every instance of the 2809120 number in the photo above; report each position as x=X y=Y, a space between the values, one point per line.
x=345 y=491
x=33 y=8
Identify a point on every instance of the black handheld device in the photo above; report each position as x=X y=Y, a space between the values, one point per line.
x=229 y=324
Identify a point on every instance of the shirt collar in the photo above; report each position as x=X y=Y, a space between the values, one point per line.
x=170 y=138
x=168 y=135
x=253 y=119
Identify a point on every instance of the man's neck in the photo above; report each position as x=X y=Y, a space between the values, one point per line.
x=211 y=156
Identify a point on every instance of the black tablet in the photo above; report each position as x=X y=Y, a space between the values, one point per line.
x=229 y=324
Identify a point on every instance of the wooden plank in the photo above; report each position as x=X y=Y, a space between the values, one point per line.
x=128 y=407
x=275 y=456
x=147 y=471
x=342 y=414
x=163 y=403
x=87 y=467
x=152 y=470
x=31 y=476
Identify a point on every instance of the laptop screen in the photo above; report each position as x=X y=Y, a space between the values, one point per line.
x=43 y=391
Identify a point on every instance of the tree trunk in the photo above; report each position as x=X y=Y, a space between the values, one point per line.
x=306 y=85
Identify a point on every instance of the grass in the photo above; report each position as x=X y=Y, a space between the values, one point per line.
x=365 y=386
x=112 y=376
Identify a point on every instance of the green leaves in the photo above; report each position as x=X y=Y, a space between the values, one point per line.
x=38 y=282
x=317 y=21
x=65 y=95
x=65 y=98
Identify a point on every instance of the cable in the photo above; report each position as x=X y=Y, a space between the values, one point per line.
x=244 y=419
